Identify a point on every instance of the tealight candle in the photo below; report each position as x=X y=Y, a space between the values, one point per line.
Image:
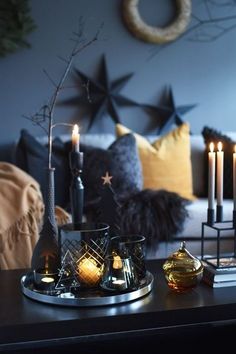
x=119 y=284
x=44 y=279
x=47 y=280
x=89 y=273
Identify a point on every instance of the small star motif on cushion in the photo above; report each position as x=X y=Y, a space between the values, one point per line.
x=107 y=178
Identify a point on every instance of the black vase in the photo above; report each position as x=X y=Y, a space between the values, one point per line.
x=46 y=257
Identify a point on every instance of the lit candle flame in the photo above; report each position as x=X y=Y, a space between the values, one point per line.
x=220 y=146
x=75 y=129
x=89 y=272
x=75 y=137
x=211 y=147
x=117 y=263
x=47 y=279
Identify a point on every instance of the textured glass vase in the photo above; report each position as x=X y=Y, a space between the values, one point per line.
x=46 y=257
x=182 y=270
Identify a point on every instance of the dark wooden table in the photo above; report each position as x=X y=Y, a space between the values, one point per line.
x=163 y=315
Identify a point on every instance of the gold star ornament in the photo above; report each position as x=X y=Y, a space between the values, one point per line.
x=107 y=178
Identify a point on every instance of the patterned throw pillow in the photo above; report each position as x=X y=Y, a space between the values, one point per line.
x=120 y=160
x=212 y=135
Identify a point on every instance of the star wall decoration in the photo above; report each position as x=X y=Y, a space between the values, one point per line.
x=174 y=112
x=102 y=94
x=171 y=113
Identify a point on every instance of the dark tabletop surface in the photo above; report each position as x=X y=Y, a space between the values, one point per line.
x=25 y=322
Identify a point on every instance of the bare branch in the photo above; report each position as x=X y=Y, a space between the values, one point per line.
x=49 y=78
x=46 y=113
x=63 y=59
x=63 y=124
x=209 y=29
x=36 y=123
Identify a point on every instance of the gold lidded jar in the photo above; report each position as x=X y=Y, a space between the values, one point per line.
x=182 y=270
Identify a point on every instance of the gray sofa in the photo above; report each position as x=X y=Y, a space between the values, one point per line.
x=197 y=210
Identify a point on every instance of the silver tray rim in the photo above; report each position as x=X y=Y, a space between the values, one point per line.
x=80 y=301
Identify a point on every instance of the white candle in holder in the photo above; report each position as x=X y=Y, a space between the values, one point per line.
x=234 y=177
x=220 y=174
x=211 y=176
x=75 y=138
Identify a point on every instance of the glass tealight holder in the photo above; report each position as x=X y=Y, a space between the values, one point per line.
x=88 y=244
x=44 y=280
x=119 y=274
x=182 y=270
x=133 y=246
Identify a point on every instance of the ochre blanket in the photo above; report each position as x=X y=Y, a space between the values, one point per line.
x=21 y=211
x=21 y=215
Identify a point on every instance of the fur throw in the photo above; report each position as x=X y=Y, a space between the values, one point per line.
x=158 y=215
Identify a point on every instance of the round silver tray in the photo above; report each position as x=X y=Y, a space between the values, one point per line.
x=88 y=297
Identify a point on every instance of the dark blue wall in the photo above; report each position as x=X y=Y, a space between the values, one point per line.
x=199 y=72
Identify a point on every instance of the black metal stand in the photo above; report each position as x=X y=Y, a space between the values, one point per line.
x=234 y=219
x=76 y=188
x=219 y=213
x=210 y=216
x=216 y=261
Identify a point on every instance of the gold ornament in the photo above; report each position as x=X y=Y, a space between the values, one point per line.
x=182 y=270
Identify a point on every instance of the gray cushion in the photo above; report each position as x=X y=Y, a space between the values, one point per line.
x=120 y=160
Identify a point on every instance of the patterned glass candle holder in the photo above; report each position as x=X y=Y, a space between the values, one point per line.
x=133 y=246
x=88 y=245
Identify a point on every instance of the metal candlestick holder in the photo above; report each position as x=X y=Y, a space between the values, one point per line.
x=234 y=219
x=76 y=188
x=219 y=213
x=219 y=260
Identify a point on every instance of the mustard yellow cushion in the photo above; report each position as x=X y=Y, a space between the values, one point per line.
x=166 y=162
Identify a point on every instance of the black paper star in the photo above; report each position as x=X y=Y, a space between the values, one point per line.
x=175 y=112
x=103 y=95
x=172 y=114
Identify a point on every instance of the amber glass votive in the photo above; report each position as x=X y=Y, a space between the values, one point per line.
x=182 y=270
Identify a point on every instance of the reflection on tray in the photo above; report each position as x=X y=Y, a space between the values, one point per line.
x=79 y=296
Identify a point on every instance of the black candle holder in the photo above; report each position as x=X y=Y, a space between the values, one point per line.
x=210 y=216
x=234 y=219
x=219 y=260
x=219 y=213
x=76 y=188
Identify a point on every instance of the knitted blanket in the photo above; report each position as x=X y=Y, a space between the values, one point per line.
x=21 y=213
